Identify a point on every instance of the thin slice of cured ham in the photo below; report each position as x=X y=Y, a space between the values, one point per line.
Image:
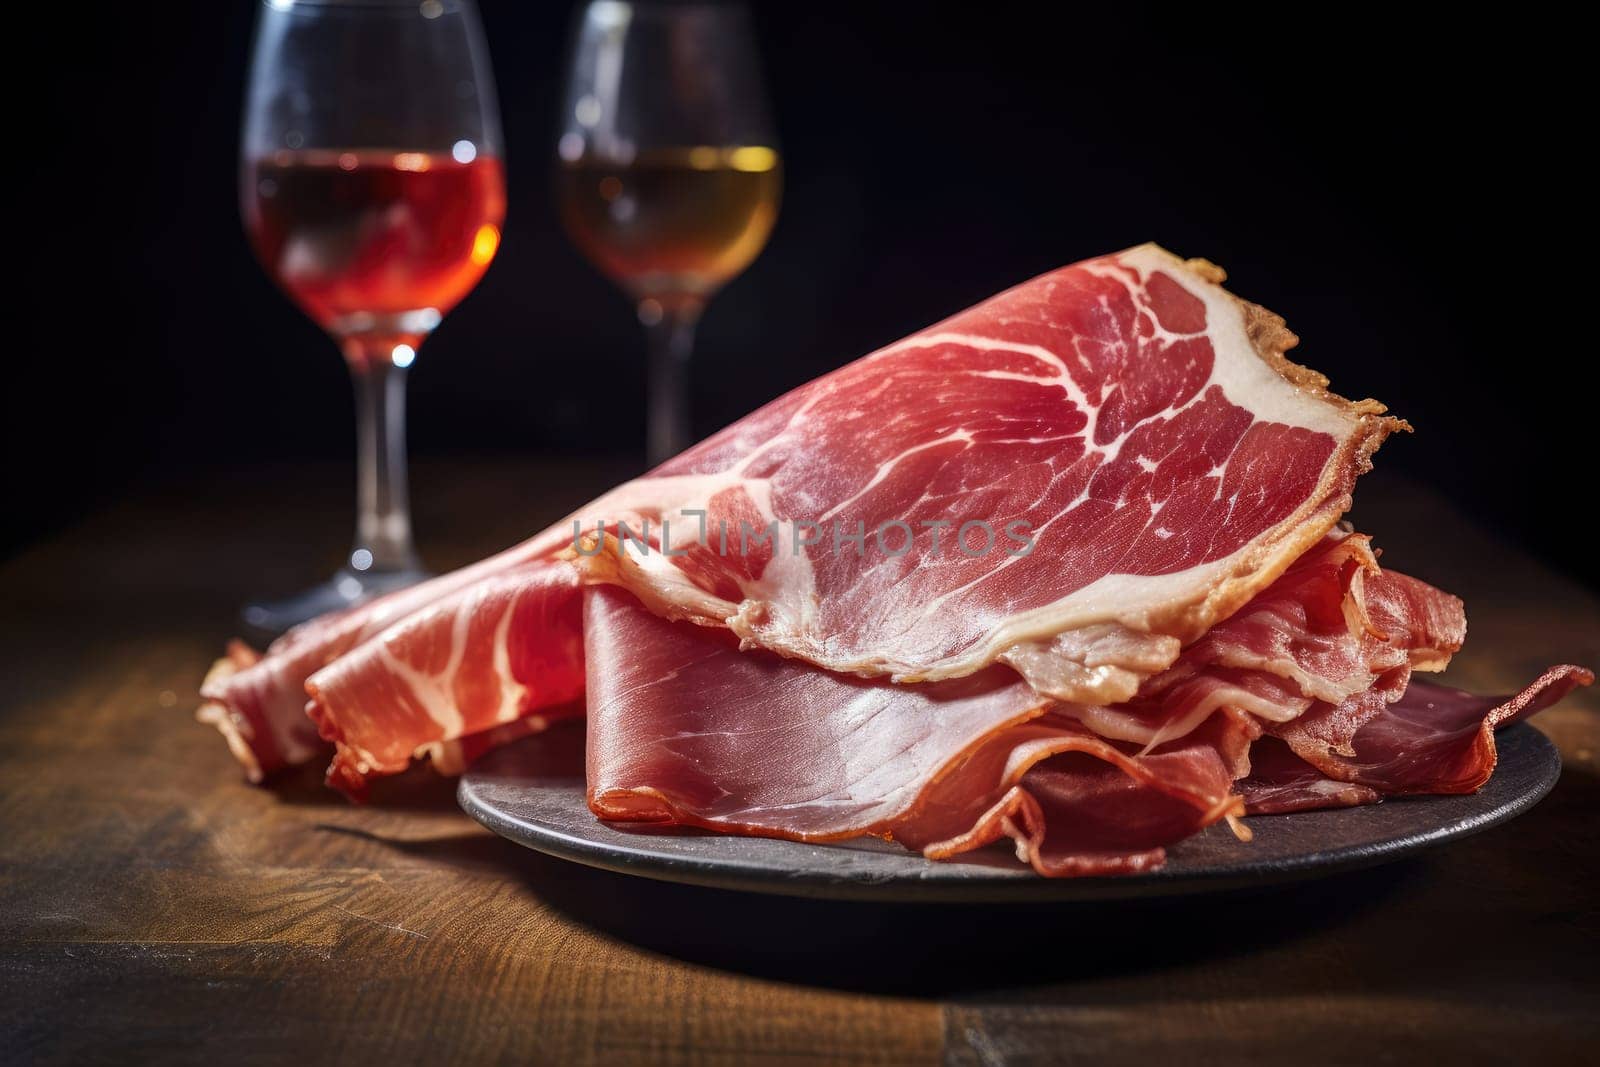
x=1135 y=423
x=1431 y=739
x=1280 y=781
x=1335 y=627
x=1077 y=804
x=685 y=729
x=502 y=649
x=258 y=702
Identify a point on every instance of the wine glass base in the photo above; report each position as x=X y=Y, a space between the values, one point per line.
x=343 y=590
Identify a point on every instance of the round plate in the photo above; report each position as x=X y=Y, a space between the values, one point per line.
x=532 y=792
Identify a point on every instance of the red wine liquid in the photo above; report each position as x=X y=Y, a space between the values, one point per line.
x=375 y=242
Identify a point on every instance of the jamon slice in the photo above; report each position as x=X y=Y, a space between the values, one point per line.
x=1336 y=621
x=1280 y=781
x=685 y=729
x=1335 y=627
x=503 y=653
x=258 y=702
x=1433 y=739
x=1077 y=804
x=1135 y=422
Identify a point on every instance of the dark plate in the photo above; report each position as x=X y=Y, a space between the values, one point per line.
x=532 y=792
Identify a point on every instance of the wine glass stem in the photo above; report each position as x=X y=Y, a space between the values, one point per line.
x=670 y=331
x=383 y=507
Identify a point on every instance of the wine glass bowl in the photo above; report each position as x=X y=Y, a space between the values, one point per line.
x=673 y=223
x=376 y=244
x=373 y=193
x=668 y=174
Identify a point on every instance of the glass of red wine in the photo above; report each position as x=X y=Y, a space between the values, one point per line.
x=373 y=193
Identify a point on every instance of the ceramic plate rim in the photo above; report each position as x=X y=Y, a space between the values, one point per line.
x=1529 y=767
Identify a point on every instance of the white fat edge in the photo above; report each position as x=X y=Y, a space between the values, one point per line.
x=788 y=585
x=1330 y=690
x=1226 y=697
x=1247 y=380
x=1030 y=752
x=1109 y=722
x=1122 y=599
x=236 y=731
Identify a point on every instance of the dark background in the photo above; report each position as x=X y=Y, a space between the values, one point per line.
x=1403 y=194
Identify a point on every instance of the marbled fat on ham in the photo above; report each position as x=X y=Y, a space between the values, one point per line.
x=499 y=650
x=258 y=702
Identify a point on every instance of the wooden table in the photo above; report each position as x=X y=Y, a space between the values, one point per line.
x=154 y=906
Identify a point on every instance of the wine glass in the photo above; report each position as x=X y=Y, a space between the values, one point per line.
x=668 y=173
x=373 y=193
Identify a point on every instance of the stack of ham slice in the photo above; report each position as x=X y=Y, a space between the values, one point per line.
x=1066 y=568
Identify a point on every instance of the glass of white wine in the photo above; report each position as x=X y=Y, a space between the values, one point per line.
x=668 y=173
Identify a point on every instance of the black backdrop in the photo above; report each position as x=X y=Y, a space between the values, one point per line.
x=1394 y=190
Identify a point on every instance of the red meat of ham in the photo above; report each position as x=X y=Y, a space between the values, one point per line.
x=686 y=729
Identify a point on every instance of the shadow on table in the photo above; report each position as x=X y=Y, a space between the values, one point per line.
x=1430 y=920
x=418 y=789
x=916 y=949
x=945 y=949
x=926 y=949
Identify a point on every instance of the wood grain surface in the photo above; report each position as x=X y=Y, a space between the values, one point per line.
x=154 y=907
